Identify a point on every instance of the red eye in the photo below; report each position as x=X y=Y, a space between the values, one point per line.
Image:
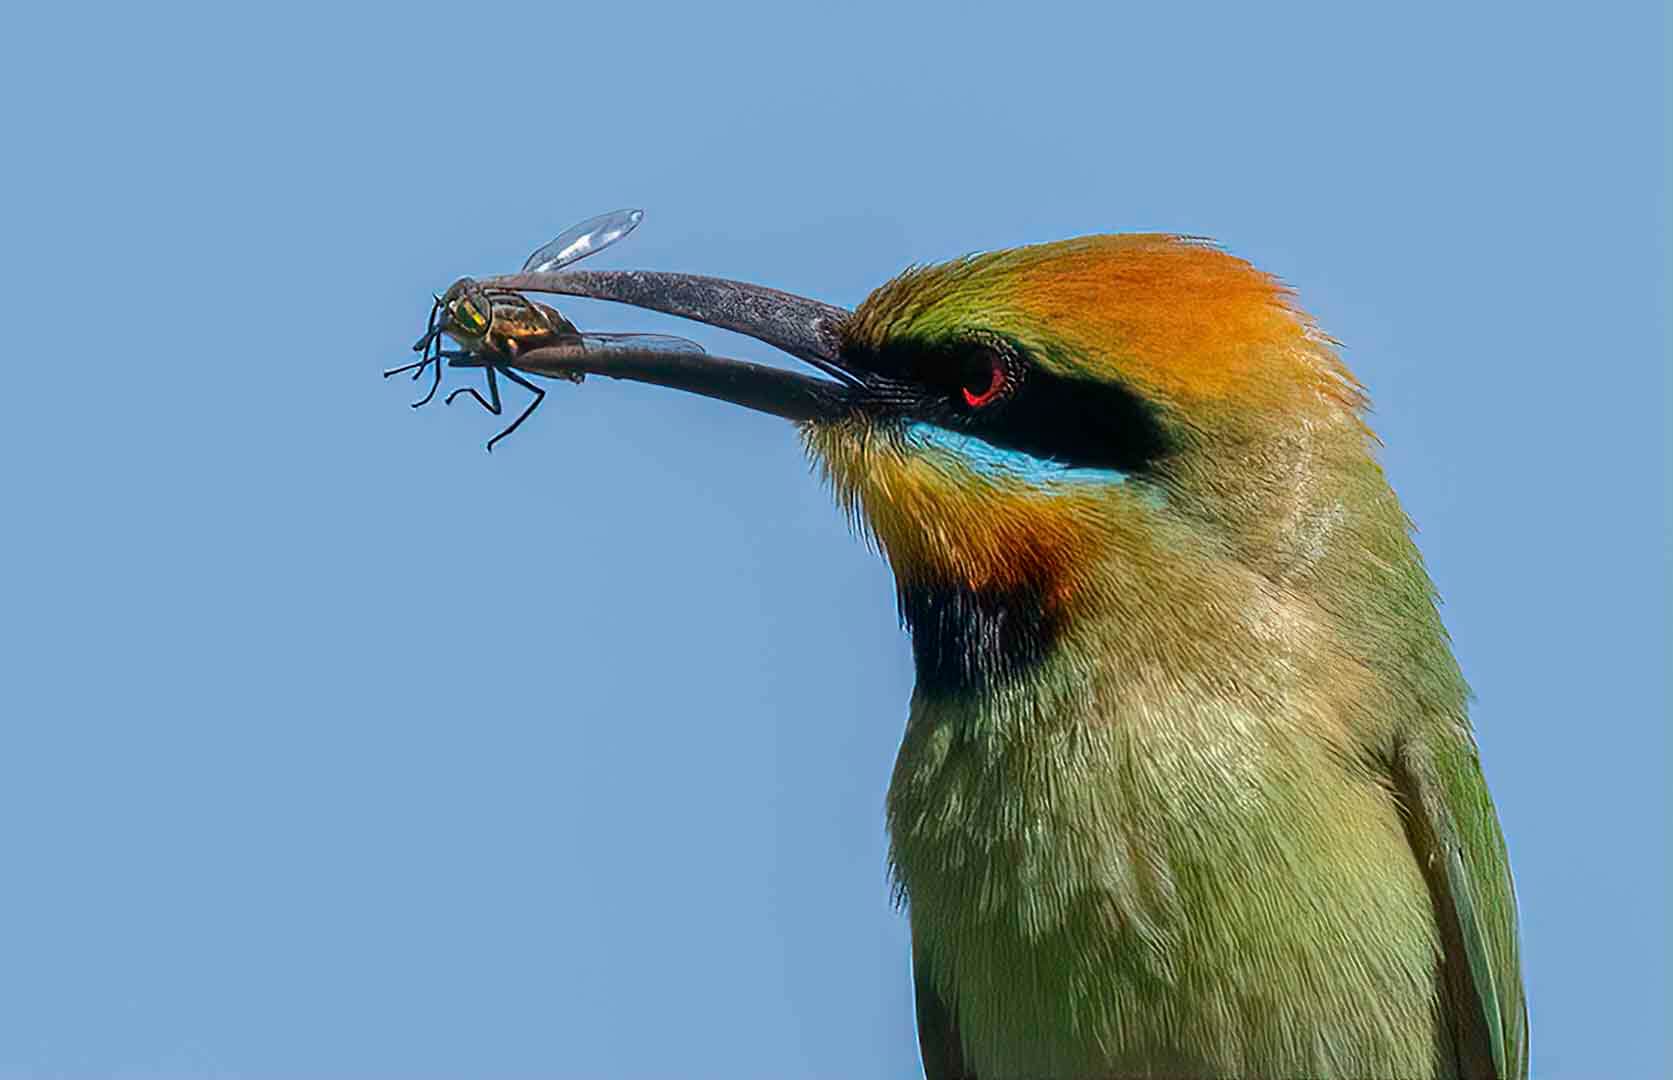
x=982 y=387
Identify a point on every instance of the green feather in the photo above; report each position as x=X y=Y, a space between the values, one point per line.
x=1225 y=817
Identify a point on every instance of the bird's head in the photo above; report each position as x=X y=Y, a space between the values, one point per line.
x=1126 y=430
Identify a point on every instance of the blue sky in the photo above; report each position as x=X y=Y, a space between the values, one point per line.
x=334 y=746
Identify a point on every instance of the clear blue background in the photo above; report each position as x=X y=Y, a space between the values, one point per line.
x=333 y=746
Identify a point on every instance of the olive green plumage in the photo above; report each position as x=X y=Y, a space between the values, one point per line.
x=1211 y=806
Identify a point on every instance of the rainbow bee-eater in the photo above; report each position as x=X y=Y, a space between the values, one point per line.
x=1188 y=786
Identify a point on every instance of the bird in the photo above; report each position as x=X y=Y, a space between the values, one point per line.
x=1188 y=786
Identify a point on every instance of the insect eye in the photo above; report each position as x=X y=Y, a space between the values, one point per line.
x=469 y=316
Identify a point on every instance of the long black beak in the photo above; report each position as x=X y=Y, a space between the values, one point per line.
x=806 y=329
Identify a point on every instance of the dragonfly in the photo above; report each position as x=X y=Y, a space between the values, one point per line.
x=492 y=326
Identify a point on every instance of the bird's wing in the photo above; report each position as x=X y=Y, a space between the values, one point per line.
x=938 y=1034
x=1455 y=832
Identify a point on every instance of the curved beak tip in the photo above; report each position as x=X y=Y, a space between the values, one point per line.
x=808 y=330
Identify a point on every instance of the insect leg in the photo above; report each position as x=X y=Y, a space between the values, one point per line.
x=491 y=402
x=405 y=367
x=421 y=346
x=433 y=356
x=539 y=396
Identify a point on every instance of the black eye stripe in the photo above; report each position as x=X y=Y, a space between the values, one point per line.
x=1076 y=421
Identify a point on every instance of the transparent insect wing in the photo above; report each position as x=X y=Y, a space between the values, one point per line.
x=579 y=241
